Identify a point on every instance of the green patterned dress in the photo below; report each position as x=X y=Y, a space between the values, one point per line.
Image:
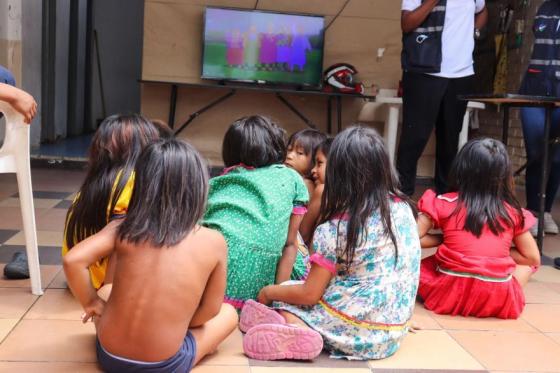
x=252 y=209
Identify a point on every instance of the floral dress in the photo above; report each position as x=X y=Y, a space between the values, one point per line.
x=365 y=310
x=252 y=207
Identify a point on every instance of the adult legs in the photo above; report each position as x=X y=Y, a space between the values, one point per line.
x=448 y=128
x=422 y=96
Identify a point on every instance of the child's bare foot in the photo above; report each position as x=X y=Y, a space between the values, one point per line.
x=414 y=327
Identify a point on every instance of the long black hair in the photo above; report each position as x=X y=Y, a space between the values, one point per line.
x=169 y=197
x=482 y=176
x=113 y=152
x=359 y=180
x=309 y=139
x=254 y=141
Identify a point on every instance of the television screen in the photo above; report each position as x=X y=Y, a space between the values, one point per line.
x=263 y=47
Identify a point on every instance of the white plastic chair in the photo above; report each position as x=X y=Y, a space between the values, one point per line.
x=14 y=158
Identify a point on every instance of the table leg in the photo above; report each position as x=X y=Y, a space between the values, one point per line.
x=390 y=131
x=172 y=105
x=339 y=113
x=329 y=115
x=544 y=177
x=464 y=135
x=505 y=125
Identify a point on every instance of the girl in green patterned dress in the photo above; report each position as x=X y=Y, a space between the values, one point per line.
x=257 y=204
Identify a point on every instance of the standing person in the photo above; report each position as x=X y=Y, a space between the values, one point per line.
x=542 y=79
x=438 y=42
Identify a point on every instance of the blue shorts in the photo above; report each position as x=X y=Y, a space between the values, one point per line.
x=6 y=76
x=181 y=362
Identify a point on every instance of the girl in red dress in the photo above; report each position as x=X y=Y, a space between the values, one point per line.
x=475 y=271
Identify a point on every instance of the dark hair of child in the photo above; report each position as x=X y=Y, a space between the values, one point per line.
x=309 y=139
x=325 y=146
x=359 y=180
x=114 y=149
x=165 y=132
x=254 y=141
x=169 y=196
x=482 y=176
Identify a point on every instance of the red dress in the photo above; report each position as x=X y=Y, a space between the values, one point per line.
x=470 y=276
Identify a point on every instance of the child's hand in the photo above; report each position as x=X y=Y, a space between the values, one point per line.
x=263 y=296
x=94 y=309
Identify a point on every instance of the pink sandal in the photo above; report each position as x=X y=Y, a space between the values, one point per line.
x=275 y=342
x=255 y=313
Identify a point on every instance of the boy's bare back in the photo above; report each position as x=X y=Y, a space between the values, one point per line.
x=159 y=293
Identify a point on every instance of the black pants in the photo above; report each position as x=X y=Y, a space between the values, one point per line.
x=430 y=101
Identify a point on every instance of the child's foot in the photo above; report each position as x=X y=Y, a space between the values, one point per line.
x=255 y=313
x=275 y=342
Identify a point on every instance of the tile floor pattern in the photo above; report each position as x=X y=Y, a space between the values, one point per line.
x=44 y=334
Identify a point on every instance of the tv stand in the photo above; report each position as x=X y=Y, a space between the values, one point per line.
x=278 y=92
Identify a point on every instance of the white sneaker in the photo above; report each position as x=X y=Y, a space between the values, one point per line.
x=535 y=228
x=550 y=225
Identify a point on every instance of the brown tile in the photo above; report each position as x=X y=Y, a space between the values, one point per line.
x=221 y=369
x=230 y=352
x=307 y=370
x=51 y=220
x=428 y=349
x=44 y=238
x=50 y=340
x=59 y=281
x=490 y=323
x=424 y=319
x=54 y=367
x=10 y=218
x=55 y=304
x=544 y=317
x=538 y=292
x=6 y=325
x=48 y=273
x=547 y=274
x=42 y=203
x=57 y=180
x=15 y=302
x=510 y=350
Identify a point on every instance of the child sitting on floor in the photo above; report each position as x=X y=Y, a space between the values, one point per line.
x=360 y=293
x=257 y=204
x=474 y=271
x=300 y=154
x=169 y=322
x=113 y=152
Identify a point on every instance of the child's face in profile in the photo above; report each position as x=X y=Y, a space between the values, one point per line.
x=318 y=171
x=297 y=159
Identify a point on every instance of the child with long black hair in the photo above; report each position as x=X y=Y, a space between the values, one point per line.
x=360 y=293
x=107 y=188
x=300 y=153
x=257 y=204
x=474 y=271
x=171 y=321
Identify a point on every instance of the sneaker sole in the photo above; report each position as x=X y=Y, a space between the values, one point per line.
x=276 y=342
x=255 y=313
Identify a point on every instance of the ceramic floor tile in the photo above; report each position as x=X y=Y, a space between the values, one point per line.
x=554 y=336
x=321 y=361
x=64 y=204
x=428 y=349
x=15 y=302
x=221 y=369
x=59 y=281
x=307 y=370
x=55 y=304
x=37 y=203
x=48 y=273
x=230 y=352
x=424 y=319
x=511 y=350
x=473 y=323
x=552 y=285
x=49 y=255
x=60 y=340
x=51 y=220
x=68 y=181
x=44 y=238
x=6 y=325
x=547 y=274
x=6 y=234
x=10 y=367
x=538 y=292
x=39 y=193
x=544 y=317
x=10 y=218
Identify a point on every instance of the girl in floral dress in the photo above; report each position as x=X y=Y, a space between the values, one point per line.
x=360 y=293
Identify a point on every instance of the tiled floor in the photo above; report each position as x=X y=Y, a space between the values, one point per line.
x=44 y=334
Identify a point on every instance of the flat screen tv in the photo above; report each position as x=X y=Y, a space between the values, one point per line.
x=263 y=47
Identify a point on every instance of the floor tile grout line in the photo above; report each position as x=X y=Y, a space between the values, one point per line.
x=467 y=351
x=21 y=318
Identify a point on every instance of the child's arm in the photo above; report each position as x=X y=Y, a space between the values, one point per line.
x=424 y=225
x=526 y=251
x=309 y=222
x=286 y=262
x=308 y=293
x=76 y=264
x=213 y=295
x=20 y=100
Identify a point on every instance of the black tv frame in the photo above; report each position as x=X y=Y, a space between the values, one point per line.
x=268 y=83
